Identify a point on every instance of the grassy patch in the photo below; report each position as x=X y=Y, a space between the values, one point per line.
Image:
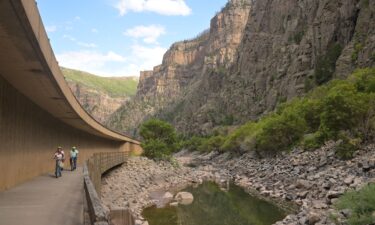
x=113 y=86
x=361 y=204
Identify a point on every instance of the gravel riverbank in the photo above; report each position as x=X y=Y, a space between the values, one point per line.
x=309 y=181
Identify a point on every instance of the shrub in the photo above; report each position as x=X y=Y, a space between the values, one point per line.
x=193 y=143
x=160 y=139
x=213 y=143
x=158 y=129
x=280 y=132
x=276 y=132
x=241 y=139
x=364 y=80
x=342 y=109
x=313 y=141
x=156 y=149
x=347 y=147
x=307 y=108
x=361 y=204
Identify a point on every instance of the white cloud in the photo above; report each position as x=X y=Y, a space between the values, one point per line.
x=87 y=45
x=89 y=57
x=111 y=63
x=94 y=30
x=149 y=56
x=164 y=7
x=80 y=43
x=71 y=38
x=150 y=34
x=51 y=29
x=90 y=61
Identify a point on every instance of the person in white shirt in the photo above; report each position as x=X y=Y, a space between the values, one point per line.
x=59 y=157
x=73 y=158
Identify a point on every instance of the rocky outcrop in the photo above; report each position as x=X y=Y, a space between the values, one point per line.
x=183 y=66
x=256 y=55
x=97 y=103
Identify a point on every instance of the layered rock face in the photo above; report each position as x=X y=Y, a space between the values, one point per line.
x=256 y=55
x=291 y=46
x=97 y=103
x=184 y=64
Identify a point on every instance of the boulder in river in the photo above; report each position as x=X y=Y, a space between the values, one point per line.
x=184 y=198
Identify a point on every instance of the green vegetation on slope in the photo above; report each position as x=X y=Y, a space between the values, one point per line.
x=339 y=110
x=113 y=86
x=361 y=205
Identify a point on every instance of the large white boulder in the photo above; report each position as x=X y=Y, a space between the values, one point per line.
x=184 y=198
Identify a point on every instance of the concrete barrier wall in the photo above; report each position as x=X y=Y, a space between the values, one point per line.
x=100 y=163
x=94 y=168
x=29 y=137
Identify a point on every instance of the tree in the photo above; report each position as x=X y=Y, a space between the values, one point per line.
x=160 y=139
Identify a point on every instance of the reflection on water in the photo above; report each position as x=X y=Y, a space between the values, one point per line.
x=215 y=207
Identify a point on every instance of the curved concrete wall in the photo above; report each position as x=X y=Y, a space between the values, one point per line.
x=30 y=135
x=38 y=112
x=28 y=63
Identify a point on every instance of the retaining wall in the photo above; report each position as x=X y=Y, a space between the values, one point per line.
x=29 y=137
x=95 y=167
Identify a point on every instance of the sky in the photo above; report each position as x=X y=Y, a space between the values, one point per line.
x=121 y=37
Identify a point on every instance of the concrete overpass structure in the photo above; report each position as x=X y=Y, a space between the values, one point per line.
x=38 y=111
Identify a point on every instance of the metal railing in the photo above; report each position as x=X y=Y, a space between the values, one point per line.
x=94 y=168
x=100 y=163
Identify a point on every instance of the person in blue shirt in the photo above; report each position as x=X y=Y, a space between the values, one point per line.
x=73 y=158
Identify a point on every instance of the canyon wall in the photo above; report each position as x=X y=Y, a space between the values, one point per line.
x=256 y=55
x=184 y=65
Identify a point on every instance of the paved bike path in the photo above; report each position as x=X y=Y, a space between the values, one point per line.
x=45 y=200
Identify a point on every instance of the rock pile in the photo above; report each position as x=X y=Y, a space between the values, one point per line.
x=312 y=180
x=309 y=180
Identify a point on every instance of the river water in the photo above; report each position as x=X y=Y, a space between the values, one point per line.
x=212 y=206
